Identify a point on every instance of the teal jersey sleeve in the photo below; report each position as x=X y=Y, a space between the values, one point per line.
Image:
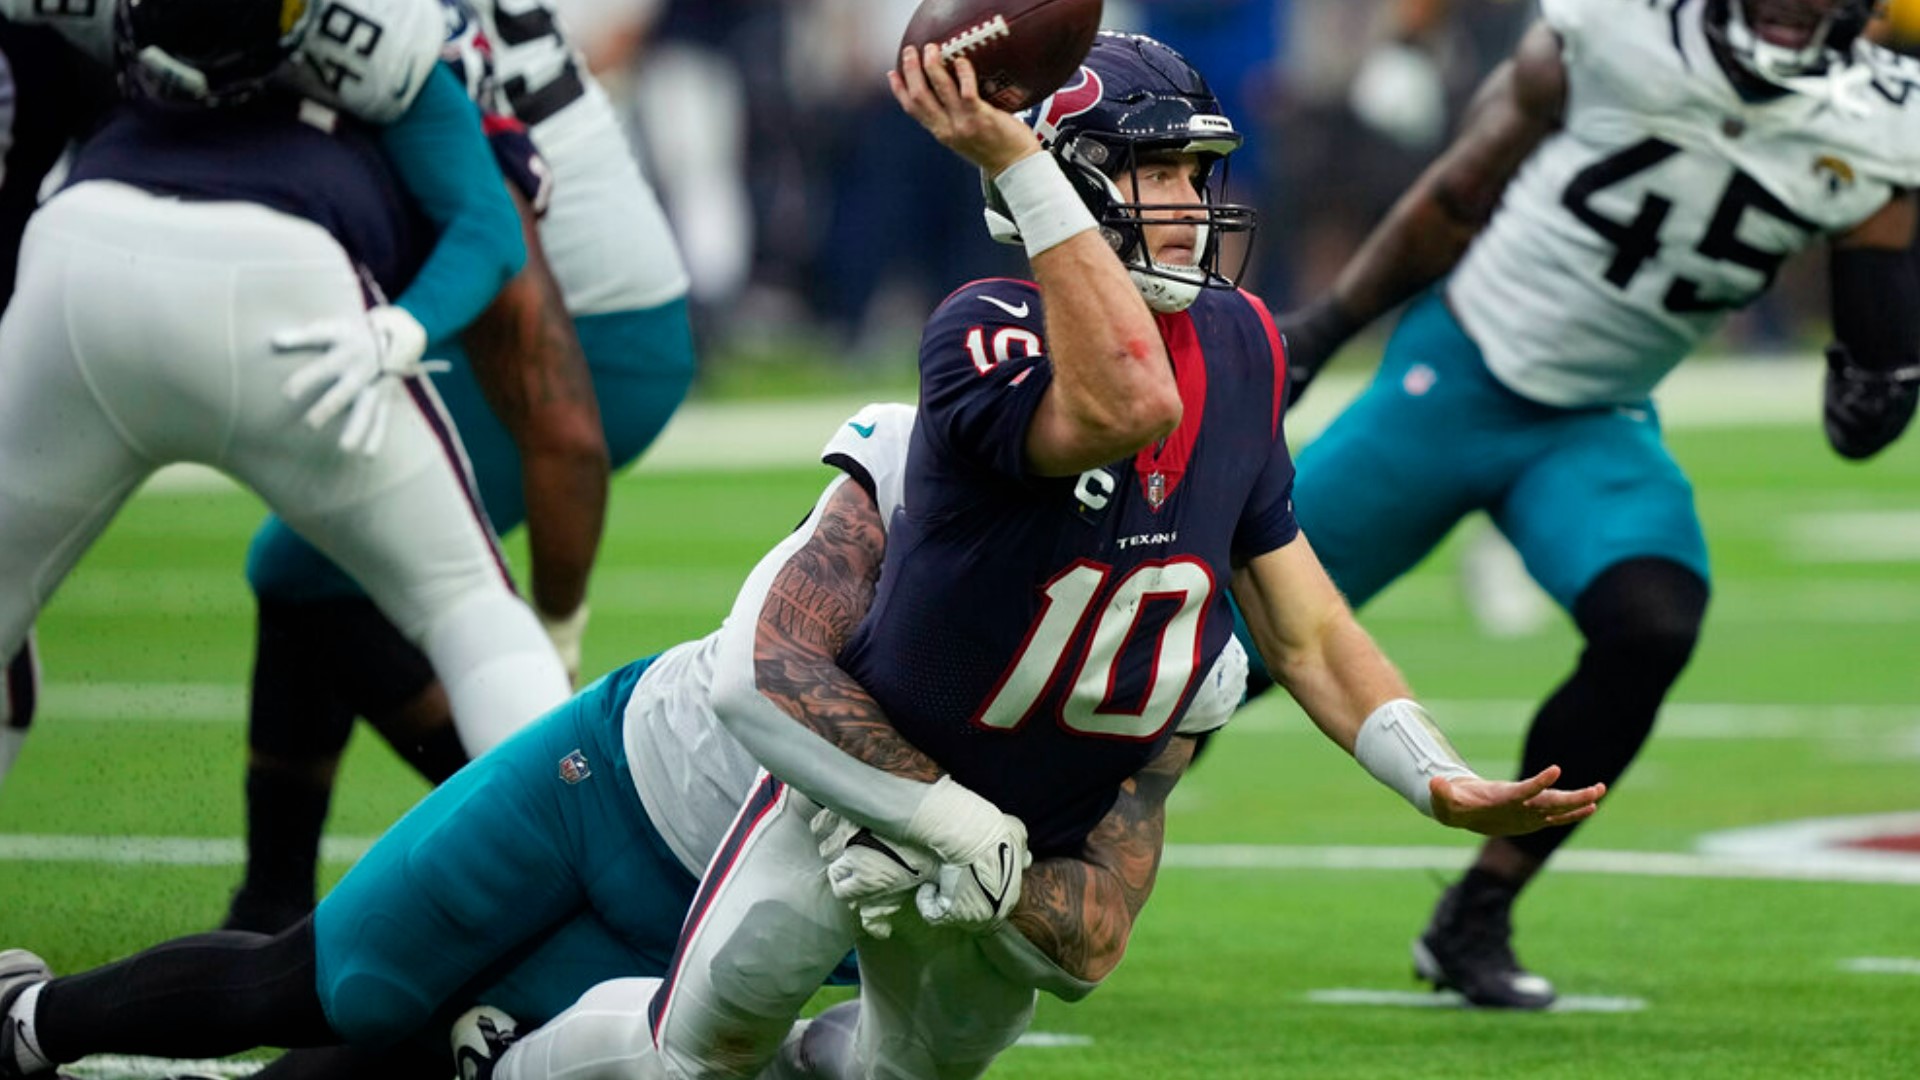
x=442 y=158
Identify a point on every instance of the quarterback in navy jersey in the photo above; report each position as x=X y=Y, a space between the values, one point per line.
x=997 y=569
x=1084 y=483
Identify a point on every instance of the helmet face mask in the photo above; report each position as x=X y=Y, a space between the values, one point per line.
x=205 y=53
x=1137 y=102
x=1783 y=41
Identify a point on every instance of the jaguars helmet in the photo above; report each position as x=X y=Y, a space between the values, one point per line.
x=204 y=52
x=1789 y=43
x=1134 y=97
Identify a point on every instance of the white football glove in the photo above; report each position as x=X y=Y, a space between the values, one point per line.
x=871 y=874
x=359 y=368
x=985 y=850
x=979 y=895
x=566 y=632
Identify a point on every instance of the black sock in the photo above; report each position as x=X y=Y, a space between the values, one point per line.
x=208 y=995
x=286 y=812
x=297 y=727
x=1641 y=619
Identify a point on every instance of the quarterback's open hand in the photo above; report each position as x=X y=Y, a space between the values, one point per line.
x=354 y=365
x=1511 y=807
x=946 y=101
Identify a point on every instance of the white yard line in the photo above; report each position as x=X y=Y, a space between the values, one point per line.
x=1882 y=965
x=1447 y=999
x=1784 y=864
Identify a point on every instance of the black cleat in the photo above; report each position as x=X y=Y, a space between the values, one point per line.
x=19 y=969
x=1468 y=947
x=480 y=1036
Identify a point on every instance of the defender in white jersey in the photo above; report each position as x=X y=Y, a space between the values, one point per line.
x=210 y=166
x=572 y=851
x=1635 y=172
x=323 y=656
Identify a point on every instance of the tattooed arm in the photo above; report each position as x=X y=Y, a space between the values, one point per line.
x=1079 y=912
x=815 y=602
x=778 y=689
x=530 y=367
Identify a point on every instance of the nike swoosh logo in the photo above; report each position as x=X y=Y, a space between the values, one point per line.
x=865 y=838
x=865 y=430
x=1006 y=864
x=405 y=86
x=1017 y=312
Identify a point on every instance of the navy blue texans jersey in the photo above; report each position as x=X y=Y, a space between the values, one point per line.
x=1041 y=637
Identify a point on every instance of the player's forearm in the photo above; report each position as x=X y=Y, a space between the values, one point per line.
x=1340 y=679
x=811 y=608
x=1113 y=390
x=777 y=688
x=1419 y=243
x=1080 y=912
x=443 y=160
x=529 y=365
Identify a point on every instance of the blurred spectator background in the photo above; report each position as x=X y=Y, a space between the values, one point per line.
x=820 y=224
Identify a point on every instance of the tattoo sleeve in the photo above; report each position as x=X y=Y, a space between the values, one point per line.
x=815 y=602
x=1080 y=911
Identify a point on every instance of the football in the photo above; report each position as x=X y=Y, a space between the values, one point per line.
x=1021 y=50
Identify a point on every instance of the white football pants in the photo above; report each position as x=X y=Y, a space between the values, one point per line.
x=138 y=335
x=764 y=930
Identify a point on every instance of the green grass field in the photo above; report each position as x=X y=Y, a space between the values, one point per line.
x=1803 y=702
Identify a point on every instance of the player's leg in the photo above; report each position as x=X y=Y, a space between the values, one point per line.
x=69 y=462
x=208 y=995
x=1392 y=474
x=408 y=528
x=931 y=1005
x=1605 y=522
x=762 y=934
x=476 y=873
x=483 y=871
x=19 y=701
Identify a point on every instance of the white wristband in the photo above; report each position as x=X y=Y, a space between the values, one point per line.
x=1402 y=748
x=1045 y=208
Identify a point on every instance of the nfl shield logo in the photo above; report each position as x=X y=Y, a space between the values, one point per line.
x=574 y=768
x=1156 y=489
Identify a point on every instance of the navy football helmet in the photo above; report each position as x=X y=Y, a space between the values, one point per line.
x=1135 y=97
x=1787 y=41
x=204 y=52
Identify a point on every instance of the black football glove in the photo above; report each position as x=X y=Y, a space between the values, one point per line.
x=1865 y=409
x=1312 y=335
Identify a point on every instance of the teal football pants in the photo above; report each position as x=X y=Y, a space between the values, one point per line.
x=528 y=877
x=1436 y=437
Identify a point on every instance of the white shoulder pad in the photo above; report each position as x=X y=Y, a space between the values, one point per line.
x=1225 y=687
x=369 y=57
x=86 y=24
x=871 y=447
